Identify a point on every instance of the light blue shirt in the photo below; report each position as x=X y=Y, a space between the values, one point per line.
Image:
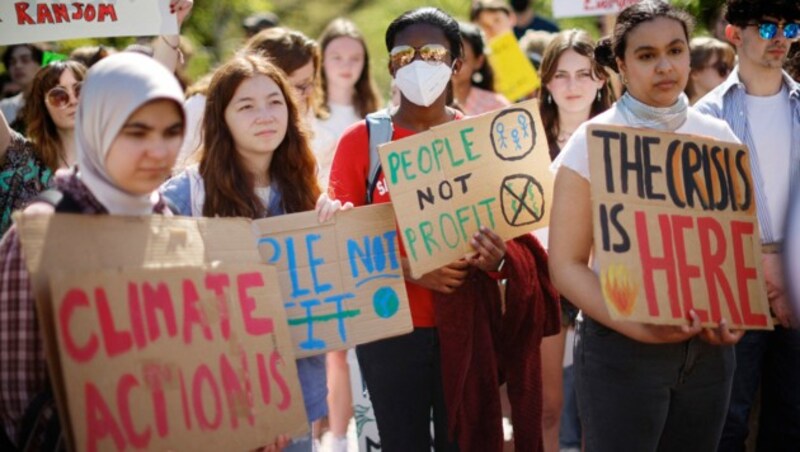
x=728 y=102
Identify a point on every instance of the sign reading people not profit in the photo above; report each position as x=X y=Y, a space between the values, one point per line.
x=54 y=20
x=489 y=170
x=342 y=281
x=176 y=359
x=675 y=228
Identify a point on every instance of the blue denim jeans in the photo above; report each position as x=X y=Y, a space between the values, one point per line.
x=644 y=397
x=569 y=435
x=771 y=359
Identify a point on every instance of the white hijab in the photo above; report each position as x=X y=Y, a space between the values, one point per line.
x=115 y=88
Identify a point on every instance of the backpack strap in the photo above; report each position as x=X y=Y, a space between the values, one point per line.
x=379 y=129
x=62 y=202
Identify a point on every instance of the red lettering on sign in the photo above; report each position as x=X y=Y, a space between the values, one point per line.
x=650 y=264
x=159 y=299
x=686 y=272
x=286 y=397
x=202 y=375
x=78 y=14
x=237 y=390
x=74 y=299
x=100 y=422
x=43 y=15
x=135 y=314
x=104 y=11
x=219 y=283
x=192 y=314
x=739 y=230
x=254 y=326
x=60 y=12
x=23 y=18
x=138 y=440
x=712 y=268
x=115 y=341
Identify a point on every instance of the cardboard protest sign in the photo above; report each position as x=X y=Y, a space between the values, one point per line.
x=87 y=244
x=487 y=170
x=675 y=228
x=55 y=20
x=195 y=358
x=578 y=8
x=342 y=281
x=514 y=74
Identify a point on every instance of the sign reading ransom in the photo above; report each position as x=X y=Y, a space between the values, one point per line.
x=489 y=170
x=341 y=281
x=181 y=359
x=675 y=228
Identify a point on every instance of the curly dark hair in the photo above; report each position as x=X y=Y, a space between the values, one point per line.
x=742 y=12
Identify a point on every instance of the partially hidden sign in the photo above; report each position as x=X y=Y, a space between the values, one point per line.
x=176 y=359
x=579 y=8
x=54 y=20
x=158 y=338
x=342 y=281
x=515 y=76
x=489 y=170
x=675 y=228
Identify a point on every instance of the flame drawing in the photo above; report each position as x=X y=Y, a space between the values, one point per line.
x=619 y=288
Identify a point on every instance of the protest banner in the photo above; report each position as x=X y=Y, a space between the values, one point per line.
x=195 y=358
x=580 y=8
x=342 y=281
x=514 y=74
x=55 y=20
x=87 y=244
x=675 y=228
x=489 y=170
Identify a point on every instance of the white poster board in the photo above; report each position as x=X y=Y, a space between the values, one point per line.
x=580 y=8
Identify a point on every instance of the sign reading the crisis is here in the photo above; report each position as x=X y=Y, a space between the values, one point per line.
x=55 y=20
x=342 y=281
x=675 y=228
x=489 y=170
x=176 y=359
x=578 y=8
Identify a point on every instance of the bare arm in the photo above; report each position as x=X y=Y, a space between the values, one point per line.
x=164 y=47
x=5 y=136
x=570 y=247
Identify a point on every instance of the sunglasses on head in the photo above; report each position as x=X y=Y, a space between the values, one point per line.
x=768 y=29
x=58 y=96
x=432 y=53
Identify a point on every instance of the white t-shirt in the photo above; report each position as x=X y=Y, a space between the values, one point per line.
x=326 y=136
x=575 y=154
x=11 y=107
x=770 y=120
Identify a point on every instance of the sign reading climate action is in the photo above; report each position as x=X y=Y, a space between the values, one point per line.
x=53 y=20
x=192 y=358
x=489 y=170
x=675 y=228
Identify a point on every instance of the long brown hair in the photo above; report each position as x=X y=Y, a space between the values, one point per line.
x=365 y=97
x=289 y=50
x=229 y=185
x=41 y=129
x=580 y=42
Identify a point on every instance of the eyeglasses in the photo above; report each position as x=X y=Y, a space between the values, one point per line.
x=432 y=53
x=768 y=29
x=58 y=96
x=722 y=68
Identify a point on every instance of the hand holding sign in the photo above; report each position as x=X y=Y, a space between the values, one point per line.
x=182 y=8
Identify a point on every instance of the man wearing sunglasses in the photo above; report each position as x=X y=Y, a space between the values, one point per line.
x=22 y=61
x=761 y=103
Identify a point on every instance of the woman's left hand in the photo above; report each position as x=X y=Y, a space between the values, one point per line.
x=327 y=207
x=490 y=248
x=182 y=8
x=722 y=335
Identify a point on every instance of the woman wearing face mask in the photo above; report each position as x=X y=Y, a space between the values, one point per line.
x=404 y=375
x=640 y=386
x=255 y=163
x=574 y=89
x=27 y=164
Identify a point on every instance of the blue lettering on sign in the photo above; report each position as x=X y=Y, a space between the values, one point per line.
x=314 y=262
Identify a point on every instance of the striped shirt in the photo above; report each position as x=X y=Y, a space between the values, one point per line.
x=728 y=102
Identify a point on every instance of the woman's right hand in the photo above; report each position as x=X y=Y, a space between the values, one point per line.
x=280 y=442
x=659 y=334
